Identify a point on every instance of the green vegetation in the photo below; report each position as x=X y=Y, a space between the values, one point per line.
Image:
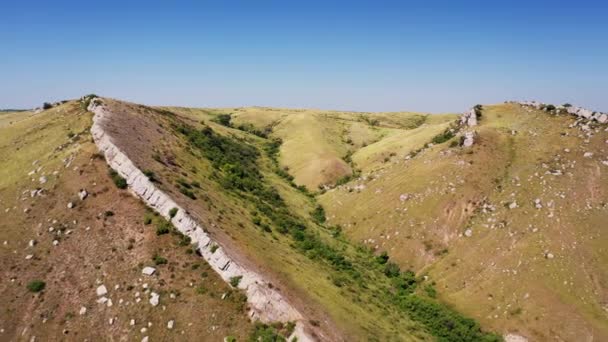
x=318 y=215
x=159 y=260
x=36 y=285
x=444 y=136
x=163 y=227
x=120 y=182
x=173 y=212
x=223 y=119
x=235 y=167
x=234 y=281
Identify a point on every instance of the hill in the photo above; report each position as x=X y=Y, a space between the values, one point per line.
x=307 y=224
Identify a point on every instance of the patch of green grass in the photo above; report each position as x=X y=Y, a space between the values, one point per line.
x=173 y=212
x=36 y=285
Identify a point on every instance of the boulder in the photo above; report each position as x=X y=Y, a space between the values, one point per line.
x=82 y=194
x=154 y=298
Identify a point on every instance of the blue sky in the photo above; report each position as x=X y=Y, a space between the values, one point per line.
x=432 y=56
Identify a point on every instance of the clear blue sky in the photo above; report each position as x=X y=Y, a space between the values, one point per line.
x=359 y=55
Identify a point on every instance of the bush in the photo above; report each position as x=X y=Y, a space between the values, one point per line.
x=151 y=175
x=318 y=215
x=549 y=107
x=36 y=286
x=391 y=270
x=172 y=212
x=443 y=137
x=47 y=105
x=120 y=182
x=187 y=193
x=214 y=248
x=382 y=259
x=234 y=281
x=163 y=227
x=159 y=260
x=223 y=119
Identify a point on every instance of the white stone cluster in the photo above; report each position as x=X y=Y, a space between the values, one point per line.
x=266 y=304
x=573 y=110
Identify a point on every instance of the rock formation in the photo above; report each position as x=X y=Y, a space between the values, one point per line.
x=579 y=112
x=266 y=304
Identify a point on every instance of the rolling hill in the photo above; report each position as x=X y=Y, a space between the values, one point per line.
x=254 y=223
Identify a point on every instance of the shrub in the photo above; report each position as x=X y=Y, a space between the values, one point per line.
x=151 y=175
x=163 y=227
x=47 y=105
x=187 y=193
x=265 y=333
x=172 y=212
x=318 y=215
x=443 y=137
x=159 y=260
x=391 y=270
x=430 y=291
x=567 y=105
x=549 y=107
x=234 y=281
x=36 y=285
x=108 y=213
x=382 y=259
x=147 y=219
x=223 y=119
x=214 y=248
x=120 y=182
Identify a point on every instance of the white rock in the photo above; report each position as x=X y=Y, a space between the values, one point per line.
x=513 y=205
x=102 y=290
x=148 y=270
x=170 y=324
x=154 y=298
x=145 y=339
x=102 y=300
x=28 y=257
x=132 y=322
x=514 y=338
x=468 y=233
x=70 y=205
x=83 y=310
x=549 y=256
x=55 y=242
x=82 y=194
x=588 y=154
x=32 y=243
x=42 y=179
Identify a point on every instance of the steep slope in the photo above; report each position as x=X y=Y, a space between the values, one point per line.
x=510 y=230
x=46 y=160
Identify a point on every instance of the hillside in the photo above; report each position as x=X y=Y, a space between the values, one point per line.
x=272 y=224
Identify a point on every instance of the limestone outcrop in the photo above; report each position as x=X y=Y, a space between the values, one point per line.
x=266 y=303
x=579 y=112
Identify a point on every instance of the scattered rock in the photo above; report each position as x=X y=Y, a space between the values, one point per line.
x=469 y=139
x=42 y=179
x=82 y=194
x=513 y=205
x=83 y=310
x=468 y=233
x=70 y=205
x=549 y=255
x=515 y=338
x=154 y=298
x=170 y=324
x=102 y=290
x=148 y=270
x=588 y=154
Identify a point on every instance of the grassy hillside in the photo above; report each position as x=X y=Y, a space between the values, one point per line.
x=233 y=181
x=468 y=219
x=54 y=258
x=376 y=226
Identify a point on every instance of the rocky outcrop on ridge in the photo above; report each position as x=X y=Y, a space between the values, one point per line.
x=266 y=304
x=579 y=112
x=469 y=119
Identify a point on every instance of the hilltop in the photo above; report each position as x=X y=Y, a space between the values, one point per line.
x=132 y=221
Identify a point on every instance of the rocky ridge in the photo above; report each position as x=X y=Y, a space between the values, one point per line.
x=266 y=304
x=579 y=112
